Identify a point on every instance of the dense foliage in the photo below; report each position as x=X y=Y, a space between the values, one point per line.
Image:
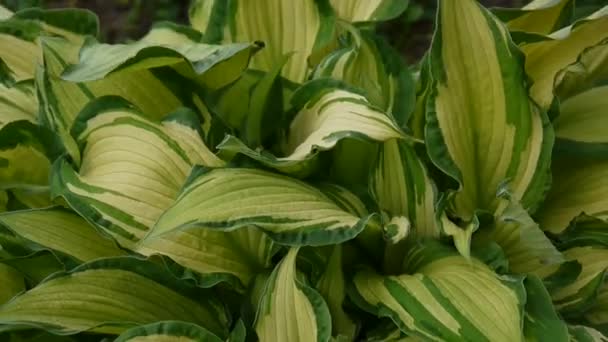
x=276 y=172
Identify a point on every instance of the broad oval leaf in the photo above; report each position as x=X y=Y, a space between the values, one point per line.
x=289 y=211
x=132 y=167
x=290 y=310
x=168 y=331
x=482 y=129
x=111 y=296
x=448 y=298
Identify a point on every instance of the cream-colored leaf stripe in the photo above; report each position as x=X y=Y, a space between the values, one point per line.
x=368 y=10
x=290 y=310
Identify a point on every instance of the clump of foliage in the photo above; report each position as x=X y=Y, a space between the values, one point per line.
x=277 y=173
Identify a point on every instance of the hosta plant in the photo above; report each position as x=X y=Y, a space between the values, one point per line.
x=276 y=172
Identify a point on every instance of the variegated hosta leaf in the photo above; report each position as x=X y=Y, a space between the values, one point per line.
x=580 y=295
x=168 y=331
x=18 y=103
x=521 y=239
x=62 y=231
x=581 y=188
x=546 y=59
x=541 y=322
x=446 y=298
x=111 y=296
x=216 y=255
x=332 y=287
x=368 y=10
x=539 y=16
x=156 y=90
x=132 y=167
x=289 y=211
x=580 y=128
x=580 y=333
x=19 y=47
x=276 y=23
x=12 y=283
x=401 y=185
x=289 y=310
x=482 y=128
x=325 y=116
x=368 y=63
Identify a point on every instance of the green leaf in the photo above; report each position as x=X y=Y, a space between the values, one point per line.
x=541 y=322
x=325 y=115
x=538 y=16
x=60 y=230
x=168 y=331
x=369 y=10
x=579 y=126
x=289 y=310
x=12 y=283
x=289 y=211
x=446 y=298
x=546 y=59
x=582 y=187
x=482 y=129
x=132 y=167
x=111 y=296
x=584 y=230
